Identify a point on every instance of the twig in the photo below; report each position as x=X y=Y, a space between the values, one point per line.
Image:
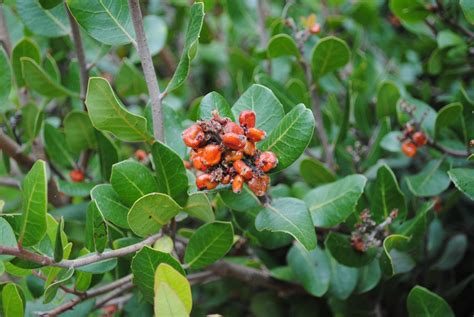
x=440 y=11
x=63 y=287
x=112 y=299
x=9 y=182
x=4 y=35
x=262 y=32
x=148 y=70
x=451 y=152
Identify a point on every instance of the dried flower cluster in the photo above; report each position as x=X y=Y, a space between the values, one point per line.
x=367 y=233
x=224 y=152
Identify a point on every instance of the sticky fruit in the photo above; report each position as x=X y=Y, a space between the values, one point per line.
x=259 y=184
x=193 y=136
x=409 y=148
x=419 y=138
x=234 y=141
x=237 y=183
x=243 y=169
x=76 y=176
x=247 y=119
x=140 y=155
x=266 y=161
x=249 y=148
x=196 y=160
x=232 y=127
x=255 y=135
x=211 y=155
x=233 y=156
x=204 y=181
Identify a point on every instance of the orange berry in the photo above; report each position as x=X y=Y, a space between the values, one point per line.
x=205 y=181
x=225 y=180
x=259 y=184
x=243 y=169
x=419 y=138
x=211 y=155
x=234 y=141
x=266 y=161
x=237 y=184
x=315 y=28
x=232 y=156
x=247 y=119
x=76 y=176
x=255 y=135
x=196 y=159
x=193 y=136
x=232 y=127
x=249 y=148
x=409 y=148
x=140 y=155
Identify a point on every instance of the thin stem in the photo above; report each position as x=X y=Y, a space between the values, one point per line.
x=9 y=182
x=63 y=287
x=148 y=70
x=440 y=11
x=4 y=35
x=262 y=32
x=445 y=150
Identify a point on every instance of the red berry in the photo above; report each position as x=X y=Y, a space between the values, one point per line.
x=266 y=161
x=204 y=181
x=193 y=136
x=409 y=148
x=237 y=184
x=76 y=176
x=249 y=148
x=232 y=156
x=234 y=141
x=232 y=127
x=419 y=138
x=315 y=28
x=259 y=184
x=196 y=159
x=255 y=135
x=211 y=154
x=247 y=119
x=243 y=169
x=140 y=155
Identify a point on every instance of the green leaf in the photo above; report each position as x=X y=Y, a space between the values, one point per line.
x=392 y=260
x=410 y=11
x=167 y=303
x=156 y=33
x=32 y=121
x=288 y=215
x=170 y=171
x=129 y=80
x=209 y=243
x=463 y=179
x=96 y=227
x=51 y=290
x=343 y=279
x=58 y=245
x=108 y=154
x=12 y=302
x=7 y=236
x=386 y=195
x=35 y=193
x=329 y=54
x=5 y=78
x=315 y=173
x=109 y=203
x=198 y=206
x=107 y=113
x=422 y=302
x=453 y=253
x=268 y=109
x=56 y=146
x=38 y=80
x=24 y=48
x=132 y=180
x=447 y=116
x=144 y=265
x=431 y=181
x=80 y=133
x=467 y=7
x=446 y=38
x=291 y=136
x=190 y=46
x=214 y=101
x=339 y=245
x=98 y=267
x=282 y=45
x=165 y=273
x=288 y=98
x=369 y=277
x=49 y=4
x=49 y=23
x=332 y=203
x=108 y=22
x=311 y=269
x=151 y=212
x=387 y=98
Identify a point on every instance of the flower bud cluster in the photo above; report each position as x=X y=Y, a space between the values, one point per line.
x=224 y=152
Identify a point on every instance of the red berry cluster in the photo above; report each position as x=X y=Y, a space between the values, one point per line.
x=412 y=140
x=224 y=152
